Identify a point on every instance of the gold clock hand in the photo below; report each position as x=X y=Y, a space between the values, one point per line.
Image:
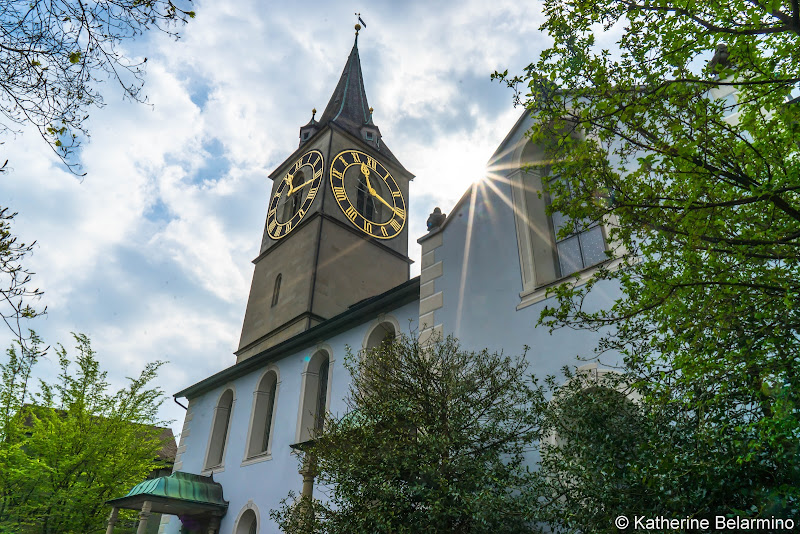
x=289 y=178
x=366 y=172
x=301 y=186
x=375 y=193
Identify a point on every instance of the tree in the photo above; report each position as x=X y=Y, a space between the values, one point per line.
x=697 y=165
x=54 y=55
x=73 y=445
x=53 y=58
x=434 y=441
x=16 y=292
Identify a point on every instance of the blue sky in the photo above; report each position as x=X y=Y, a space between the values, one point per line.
x=150 y=253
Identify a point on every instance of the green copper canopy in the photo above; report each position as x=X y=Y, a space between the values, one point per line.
x=179 y=494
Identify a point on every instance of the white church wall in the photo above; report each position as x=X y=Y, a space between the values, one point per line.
x=482 y=280
x=262 y=483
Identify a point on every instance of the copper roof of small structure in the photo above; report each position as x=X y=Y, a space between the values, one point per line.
x=179 y=494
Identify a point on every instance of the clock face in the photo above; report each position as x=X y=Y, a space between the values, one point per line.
x=295 y=194
x=367 y=194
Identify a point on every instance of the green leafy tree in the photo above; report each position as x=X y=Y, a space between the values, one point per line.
x=694 y=163
x=72 y=445
x=434 y=441
x=55 y=55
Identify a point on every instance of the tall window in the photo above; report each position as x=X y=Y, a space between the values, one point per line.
x=550 y=246
x=314 y=401
x=322 y=396
x=276 y=291
x=380 y=336
x=263 y=415
x=219 y=430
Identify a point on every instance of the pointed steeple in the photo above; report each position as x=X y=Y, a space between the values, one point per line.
x=348 y=106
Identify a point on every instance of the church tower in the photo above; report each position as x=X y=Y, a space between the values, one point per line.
x=336 y=230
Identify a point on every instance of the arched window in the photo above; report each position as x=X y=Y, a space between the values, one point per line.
x=383 y=333
x=551 y=246
x=277 y=289
x=314 y=402
x=219 y=430
x=263 y=415
x=248 y=523
x=322 y=396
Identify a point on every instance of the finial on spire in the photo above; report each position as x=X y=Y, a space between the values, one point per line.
x=360 y=23
x=313 y=112
x=371 y=110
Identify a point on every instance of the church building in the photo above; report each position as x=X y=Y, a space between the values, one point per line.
x=333 y=271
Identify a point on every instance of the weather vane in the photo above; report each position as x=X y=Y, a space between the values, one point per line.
x=361 y=21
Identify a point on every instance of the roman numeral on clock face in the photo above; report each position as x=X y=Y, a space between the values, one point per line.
x=351 y=213
x=339 y=193
x=356 y=158
x=396 y=225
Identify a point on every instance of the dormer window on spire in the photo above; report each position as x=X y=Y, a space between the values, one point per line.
x=308 y=131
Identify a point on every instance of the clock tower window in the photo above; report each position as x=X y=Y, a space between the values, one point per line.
x=292 y=202
x=277 y=290
x=365 y=204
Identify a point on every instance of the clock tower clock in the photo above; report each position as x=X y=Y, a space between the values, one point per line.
x=336 y=229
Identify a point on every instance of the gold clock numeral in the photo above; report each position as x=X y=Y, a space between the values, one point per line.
x=316 y=162
x=395 y=225
x=336 y=174
x=372 y=164
x=400 y=212
x=344 y=163
x=351 y=213
x=318 y=174
x=272 y=224
x=301 y=212
x=368 y=227
x=384 y=232
x=356 y=158
x=278 y=231
x=298 y=164
x=397 y=194
x=288 y=227
x=339 y=193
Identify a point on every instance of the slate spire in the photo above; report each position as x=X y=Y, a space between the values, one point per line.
x=348 y=106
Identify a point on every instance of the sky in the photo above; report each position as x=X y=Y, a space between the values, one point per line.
x=149 y=253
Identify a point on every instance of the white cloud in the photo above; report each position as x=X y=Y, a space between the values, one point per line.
x=150 y=253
